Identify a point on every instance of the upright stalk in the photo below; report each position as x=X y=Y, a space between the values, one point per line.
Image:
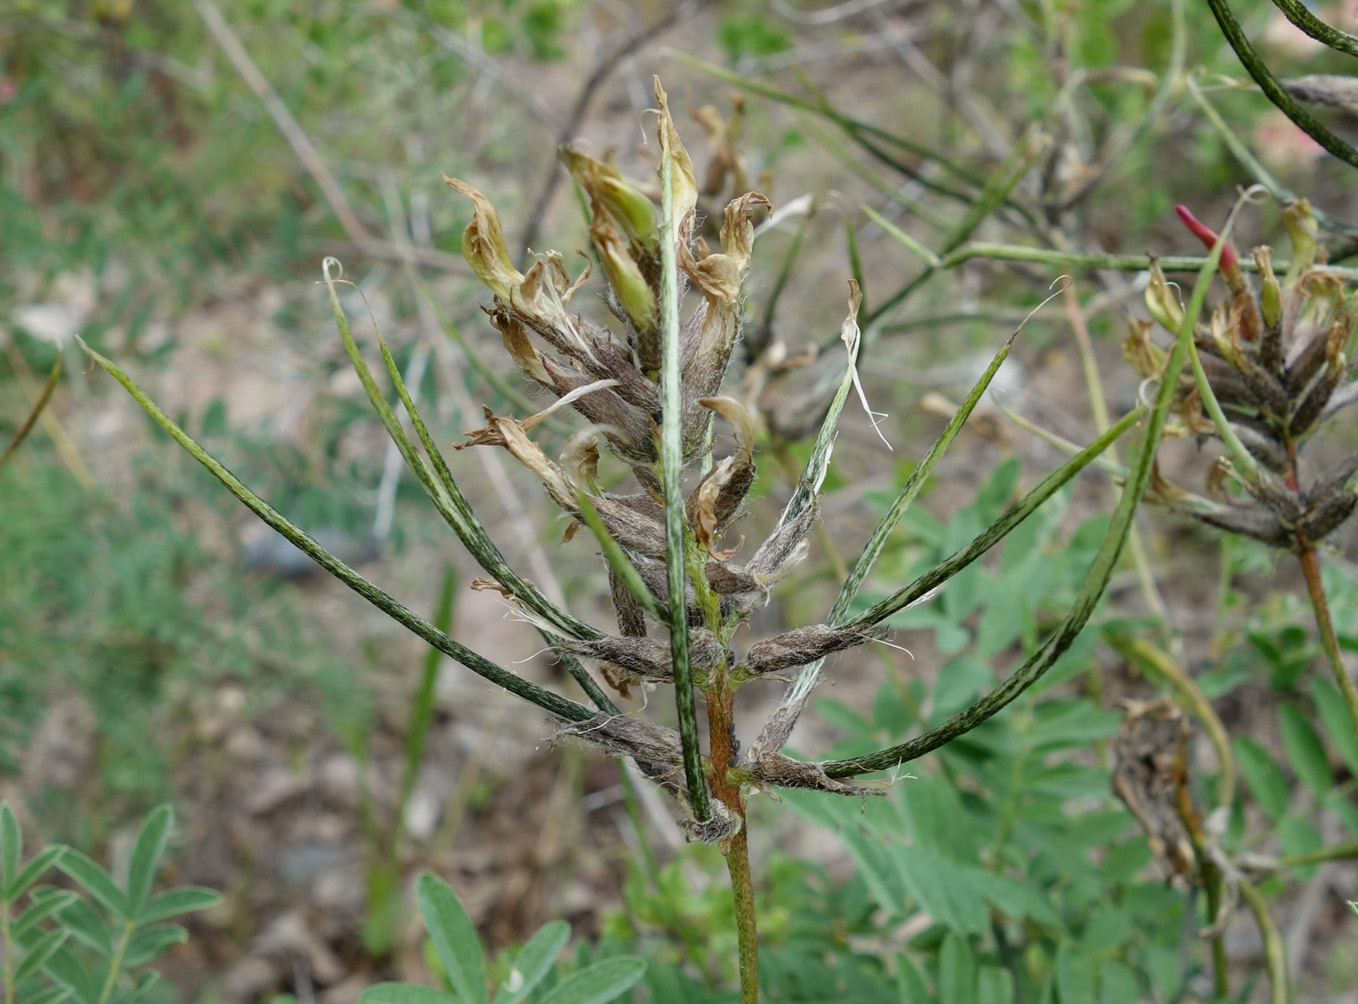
x=6 y=951
x=1329 y=641
x=736 y=848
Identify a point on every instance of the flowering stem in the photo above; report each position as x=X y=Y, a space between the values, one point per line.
x=1310 y=570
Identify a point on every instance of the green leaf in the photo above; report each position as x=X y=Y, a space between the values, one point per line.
x=64 y=967
x=149 y=942
x=41 y=909
x=84 y=922
x=454 y=937
x=185 y=899
x=477 y=664
x=960 y=680
x=30 y=872
x=146 y=855
x=1305 y=751
x=956 y=971
x=1334 y=716
x=947 y=891
x=1074 y=975
x=11 y=847
x=1167 y=975
x=1118 y=984
x=910 y=982
x=52 y=995
x=533 y=962
x=1265 y=780
x=404 y=993
x=599 y=983
x=1019 y=900
x=38 y=953
x=1299 y=836
x=95 y=881
x=146 y=982
x=1071 y=724
x=994 y=986
x=1106 y=930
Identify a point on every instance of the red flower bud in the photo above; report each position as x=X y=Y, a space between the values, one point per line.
x=1230 y=266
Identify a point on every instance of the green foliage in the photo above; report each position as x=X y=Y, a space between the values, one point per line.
x=531 y=974
x=89 y=951
x=753 y=35
x=114 y=598
x=139 y=167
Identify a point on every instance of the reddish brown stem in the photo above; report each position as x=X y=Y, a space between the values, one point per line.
x=722 y=750
x=1329 y=641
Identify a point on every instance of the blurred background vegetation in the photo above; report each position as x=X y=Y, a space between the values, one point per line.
x=172 y=173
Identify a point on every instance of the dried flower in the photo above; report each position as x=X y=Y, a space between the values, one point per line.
x=1275 y=364
x=610 y=375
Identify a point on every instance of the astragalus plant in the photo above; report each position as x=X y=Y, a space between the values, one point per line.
x=1270 y=369
x=649 y=387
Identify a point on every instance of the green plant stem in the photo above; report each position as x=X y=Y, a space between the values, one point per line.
x=7 y=947
x=1262 y=175
x=1221 y=971
x=672 y=485
x=854 y=128
x=27 y=425
x=1214 y=882
x=1338 y=852
x=996 y=191
x=1329 y=642
x=1273 y=90
x=1118 y=262
x=1243 y=459
x=1098 y=407
x=1275 y=957
x=115 y=964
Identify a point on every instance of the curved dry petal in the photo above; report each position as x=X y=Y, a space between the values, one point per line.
x=483 y=244
x=714 y=503
x=684 y=181
x=510 y=434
